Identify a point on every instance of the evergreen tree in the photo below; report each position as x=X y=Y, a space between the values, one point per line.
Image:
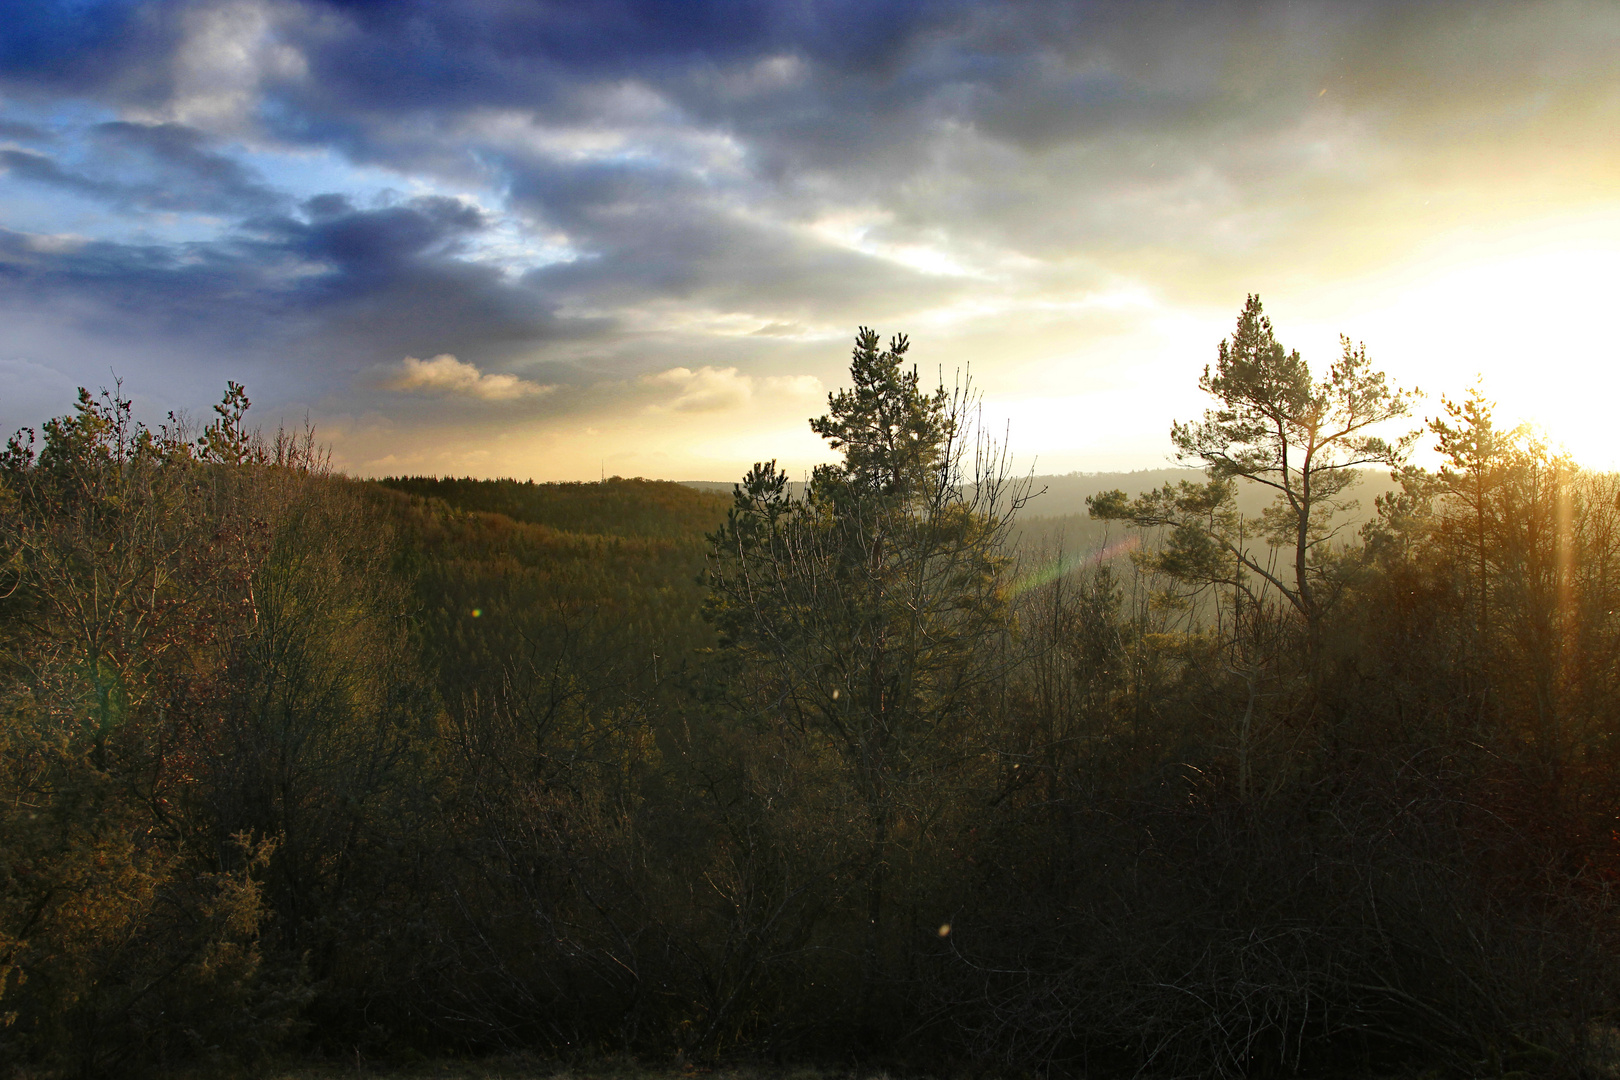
x=866 y=614
x=1274 y=425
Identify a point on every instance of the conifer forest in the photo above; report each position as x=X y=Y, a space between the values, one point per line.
x=1251 y=773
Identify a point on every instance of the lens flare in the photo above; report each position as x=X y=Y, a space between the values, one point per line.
x=1066 y=564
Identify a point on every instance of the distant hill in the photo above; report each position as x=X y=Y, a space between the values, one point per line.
x=1056 y=518
x=647 y=509
x=592 y=541
x=1066 y=495
x=609 y=569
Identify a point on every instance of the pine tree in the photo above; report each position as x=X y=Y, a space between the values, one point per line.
x=1274 y=425
x=865 y=615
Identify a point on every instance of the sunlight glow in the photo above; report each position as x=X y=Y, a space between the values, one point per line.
x=1529 y=312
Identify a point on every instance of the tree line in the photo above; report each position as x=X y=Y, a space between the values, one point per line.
x=297 y=764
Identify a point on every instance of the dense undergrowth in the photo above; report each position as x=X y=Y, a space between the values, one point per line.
x=293 y=764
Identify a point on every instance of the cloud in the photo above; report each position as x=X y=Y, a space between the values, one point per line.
x=149 y=167
x=169 y=166
x=41 y=169
x=284 y=191
x=12 y=129
x=446 y=376
x=711 y=389
x=315 y=296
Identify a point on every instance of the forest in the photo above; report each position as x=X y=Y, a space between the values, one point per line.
x=868 y=769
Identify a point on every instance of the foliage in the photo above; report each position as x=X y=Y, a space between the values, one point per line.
x=121 y=940
x=1275 y=426
x=295 y=764
x=864 y=619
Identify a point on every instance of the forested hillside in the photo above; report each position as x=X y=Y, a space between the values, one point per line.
x=652 y=509
x=295 y=764
x=610 y=573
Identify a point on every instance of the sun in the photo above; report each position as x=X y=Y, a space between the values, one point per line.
x=1530 y=313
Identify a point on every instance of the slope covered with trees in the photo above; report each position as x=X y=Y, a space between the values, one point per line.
x=296 y=764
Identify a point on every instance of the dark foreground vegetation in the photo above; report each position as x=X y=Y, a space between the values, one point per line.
x=296 y=764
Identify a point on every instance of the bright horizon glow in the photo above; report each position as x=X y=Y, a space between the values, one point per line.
x=1524 y=311
x=1527 y=312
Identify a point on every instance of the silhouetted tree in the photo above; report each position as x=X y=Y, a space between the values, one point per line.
x=867 y=613
x=1276 y=426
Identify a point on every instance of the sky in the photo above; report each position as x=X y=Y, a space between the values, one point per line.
x=560 y=240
